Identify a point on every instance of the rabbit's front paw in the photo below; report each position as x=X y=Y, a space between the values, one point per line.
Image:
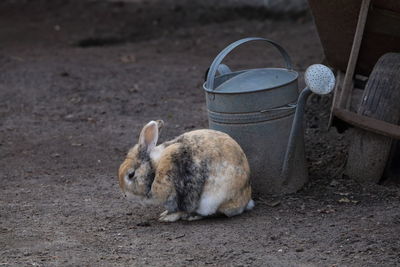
x=170 y=217
x=192 y=217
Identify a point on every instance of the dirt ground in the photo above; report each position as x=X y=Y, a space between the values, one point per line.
x=78 y=79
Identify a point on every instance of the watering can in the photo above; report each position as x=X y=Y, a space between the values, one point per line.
x=262 y=110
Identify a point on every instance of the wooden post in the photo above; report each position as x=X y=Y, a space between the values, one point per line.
x=345 y=96
x=336 y=95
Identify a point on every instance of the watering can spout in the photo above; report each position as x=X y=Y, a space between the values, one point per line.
x=319 y=80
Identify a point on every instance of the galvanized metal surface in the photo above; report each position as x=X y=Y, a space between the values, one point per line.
x=256 y=80
x=296 y=130
x=265 y=145
x=218 y=59
x=256 y=108
x=252 y=100
x=319 y=80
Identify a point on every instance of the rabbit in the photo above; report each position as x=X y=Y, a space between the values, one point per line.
x=197 y=174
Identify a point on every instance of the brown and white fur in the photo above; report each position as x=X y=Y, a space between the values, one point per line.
x=199 y=173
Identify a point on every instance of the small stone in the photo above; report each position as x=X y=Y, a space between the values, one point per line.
x=134 y=89
x=128 y=58
x=69 y=116
x=76 y=144
x=344 y=200
x=273 y=203
x=327 y=210
x=75 y=100
x=299 y=249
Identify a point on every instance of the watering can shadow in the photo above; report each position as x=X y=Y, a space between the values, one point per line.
x=263 y=111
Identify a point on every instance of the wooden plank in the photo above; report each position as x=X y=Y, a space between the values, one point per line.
x=336 y=94
x=369 y=124
x=336 y=22
x=345 y=96
x=385 y=22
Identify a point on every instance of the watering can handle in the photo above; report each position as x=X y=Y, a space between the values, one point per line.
x=217 y=61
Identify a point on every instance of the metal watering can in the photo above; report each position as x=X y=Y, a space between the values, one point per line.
x=262 y=110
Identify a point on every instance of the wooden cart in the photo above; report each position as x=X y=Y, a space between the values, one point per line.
x=361 y=40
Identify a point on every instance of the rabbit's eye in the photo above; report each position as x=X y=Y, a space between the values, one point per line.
x=131 y=174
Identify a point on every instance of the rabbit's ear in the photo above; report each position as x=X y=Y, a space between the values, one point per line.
x=149 y=136
x=160 y=125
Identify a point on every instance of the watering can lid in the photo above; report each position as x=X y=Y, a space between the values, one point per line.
x=256 y=80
